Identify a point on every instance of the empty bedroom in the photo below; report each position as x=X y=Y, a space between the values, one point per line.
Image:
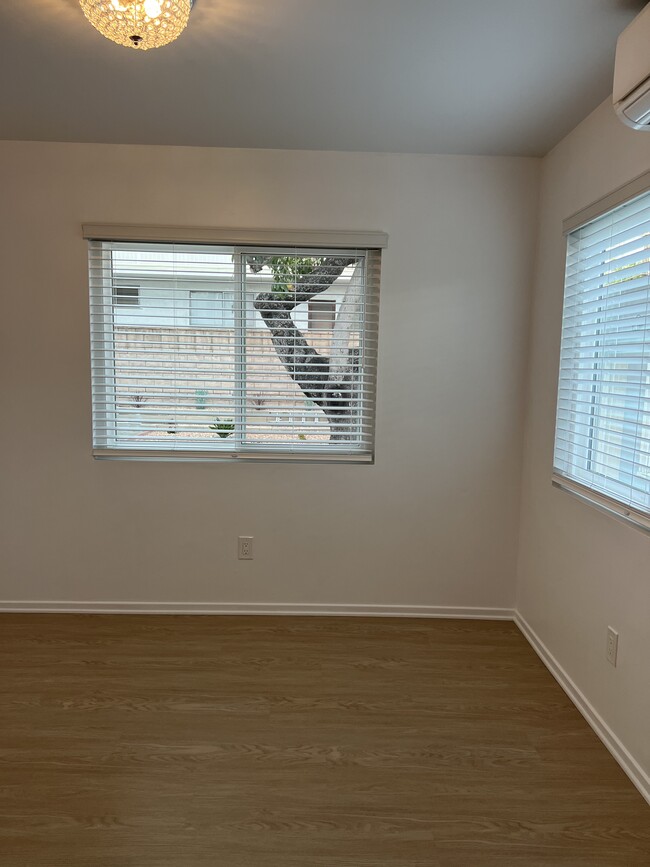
x=325 y=438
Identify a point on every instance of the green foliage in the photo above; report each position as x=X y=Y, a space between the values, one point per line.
x=223 y=427
x=289 y=270
x=632 y=271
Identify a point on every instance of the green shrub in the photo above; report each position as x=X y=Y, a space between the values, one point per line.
x=223 y=427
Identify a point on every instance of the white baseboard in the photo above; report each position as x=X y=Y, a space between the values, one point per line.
x=622 y=755
x=277 y=608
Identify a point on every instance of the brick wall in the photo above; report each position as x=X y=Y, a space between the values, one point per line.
x=197 y=377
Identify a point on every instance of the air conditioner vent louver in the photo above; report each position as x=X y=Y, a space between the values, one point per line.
x=636 y=107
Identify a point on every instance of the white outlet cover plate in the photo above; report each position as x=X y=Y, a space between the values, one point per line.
x=245 y=547
x=612 y=645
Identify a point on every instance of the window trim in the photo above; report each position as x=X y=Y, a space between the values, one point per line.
x=348 y=240
x=630 y=515
x=620 y=196
x=306 y=241
x=601 y=502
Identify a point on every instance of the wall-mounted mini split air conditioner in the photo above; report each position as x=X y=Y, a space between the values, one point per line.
x=632 y=73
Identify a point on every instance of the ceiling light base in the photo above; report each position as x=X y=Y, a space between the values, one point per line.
x=140 y=24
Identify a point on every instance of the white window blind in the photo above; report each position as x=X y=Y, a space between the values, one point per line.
x=218 y=360
x=602 y=441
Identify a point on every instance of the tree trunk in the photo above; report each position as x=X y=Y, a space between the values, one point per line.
x=328 y=381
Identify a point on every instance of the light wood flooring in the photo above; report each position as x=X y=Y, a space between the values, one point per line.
x=144 y=741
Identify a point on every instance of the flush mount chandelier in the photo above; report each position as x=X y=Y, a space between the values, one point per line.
x=140 y=24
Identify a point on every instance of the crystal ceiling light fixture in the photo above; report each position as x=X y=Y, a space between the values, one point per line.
x=140 y=24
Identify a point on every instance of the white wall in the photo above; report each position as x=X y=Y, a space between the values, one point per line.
x=579 y=569
x=434 y=522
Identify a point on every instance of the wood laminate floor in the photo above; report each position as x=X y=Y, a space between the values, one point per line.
x=144 y=741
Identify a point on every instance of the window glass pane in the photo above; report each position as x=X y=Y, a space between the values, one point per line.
x=173 y=381
x=309 y=383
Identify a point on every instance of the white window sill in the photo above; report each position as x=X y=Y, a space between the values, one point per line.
x=619 y=511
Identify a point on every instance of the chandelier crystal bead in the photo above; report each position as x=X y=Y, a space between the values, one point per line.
x=140 y=24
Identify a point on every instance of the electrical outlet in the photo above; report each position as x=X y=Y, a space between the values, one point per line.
x=612 y=645
x=245 y=548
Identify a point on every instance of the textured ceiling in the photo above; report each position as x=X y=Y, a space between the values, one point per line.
x=419 y=76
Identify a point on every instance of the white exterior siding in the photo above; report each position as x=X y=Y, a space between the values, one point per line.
x=170 y=298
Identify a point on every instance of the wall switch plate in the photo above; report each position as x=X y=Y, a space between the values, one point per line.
x=612 y=645
x=245 y=548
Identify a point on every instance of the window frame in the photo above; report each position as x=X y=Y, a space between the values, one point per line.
x=219 y=309
x=611 y=500
x=115 y=448
x=122 y=300
x=326 y=305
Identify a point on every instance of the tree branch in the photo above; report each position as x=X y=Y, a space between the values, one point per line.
x=307 y=286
